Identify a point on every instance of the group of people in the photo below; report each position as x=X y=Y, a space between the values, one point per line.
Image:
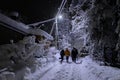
x=67 y=53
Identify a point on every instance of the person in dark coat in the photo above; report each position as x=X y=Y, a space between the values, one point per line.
x=74 y=54
x=62 y=55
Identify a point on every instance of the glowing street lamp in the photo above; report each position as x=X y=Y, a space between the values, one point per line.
x=60 y=17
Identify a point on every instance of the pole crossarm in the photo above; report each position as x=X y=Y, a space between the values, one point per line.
x=41 y=22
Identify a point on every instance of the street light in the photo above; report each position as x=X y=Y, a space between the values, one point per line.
x=60 y=17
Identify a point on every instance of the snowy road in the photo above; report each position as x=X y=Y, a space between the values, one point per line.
x=64 y=71
x=86 y=69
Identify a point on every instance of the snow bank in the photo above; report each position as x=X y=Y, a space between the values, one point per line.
x=25 y=57
x=7 y=76
x=92 y=71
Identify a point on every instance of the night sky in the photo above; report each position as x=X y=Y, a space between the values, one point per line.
x=32 y=10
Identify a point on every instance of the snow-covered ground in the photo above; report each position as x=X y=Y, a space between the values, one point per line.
x=48 y=67
x=85 y=69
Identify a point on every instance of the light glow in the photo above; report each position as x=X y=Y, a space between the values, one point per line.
x=60 y=17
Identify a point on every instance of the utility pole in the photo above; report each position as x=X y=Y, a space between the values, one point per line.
x=56 y=33
x=56 y=21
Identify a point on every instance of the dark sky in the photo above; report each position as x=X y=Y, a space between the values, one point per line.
x=32 y=10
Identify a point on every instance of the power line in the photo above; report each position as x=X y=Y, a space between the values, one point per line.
x=59 y=11
x=63 y=1
x=62 y=7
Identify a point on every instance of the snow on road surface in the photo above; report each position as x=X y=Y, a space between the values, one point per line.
x=85 y=69
x=65 y=71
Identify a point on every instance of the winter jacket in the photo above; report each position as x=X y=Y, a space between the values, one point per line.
x=74 y=53
x=62 y=53
x=67 y=52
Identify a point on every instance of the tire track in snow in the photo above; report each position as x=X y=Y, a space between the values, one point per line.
x=49 y=75
x=63 y=71
x=76 y=72
x=45 y=72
